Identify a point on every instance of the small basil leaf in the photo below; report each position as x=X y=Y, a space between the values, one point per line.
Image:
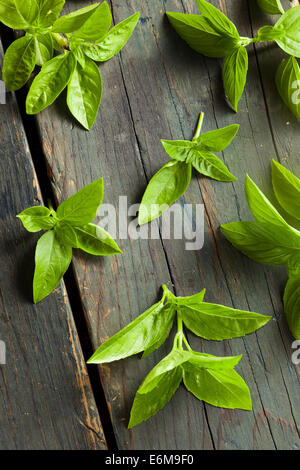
x=223 y=388
x=219 y=21
x=37 y=218
x=212 y=362
x=289 y=24
x=50 y=82
x=291 y=301
x=235 y=68
x=192 y=298
x=52 y=260
x=10 y=16
x=165 y=187
x=272 y=7
x=288 y=84
x=44 y=48
x=84 y=93
x=208 y=164
x=148 y=404
x=216 y=322
x=73 y=21
x=66 y=234
x=95 y=240
x=96 y=25
x=138 y=336
x=201 y=35
x=269 y=33
x=19 y=62
x=218 y=140
x=78 y=54
x=113 y=42
x=287 y=189
x=49 y=11
x=81 y=208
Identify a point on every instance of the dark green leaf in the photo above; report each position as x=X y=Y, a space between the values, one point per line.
x=272 y=7
x=288 y=84
x=289 y=24
x=218 y=20
x=287 y=189
x=19 y=62
x=97 y=25
x=95 y=240
x=73 y=21
x=37 y=218
x=44 y=48
x=235 y=68
x=218 y=140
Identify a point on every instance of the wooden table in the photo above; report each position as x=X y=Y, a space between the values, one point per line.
x=155 y=88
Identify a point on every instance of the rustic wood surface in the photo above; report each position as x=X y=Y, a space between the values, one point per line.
x=155 y=88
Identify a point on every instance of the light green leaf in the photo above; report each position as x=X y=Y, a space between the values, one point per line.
x=114 y=40
x=192 y=298
x=97 y=25
x=73 y=21
x=79 y=55
x=165 y=187
x=289 y=24
x=201 y=35
x=95 y=240
x=44 y=48
x=218 y=140
x=272 y=7
x=28 y=10
x=84 y=93
x=216 y=322
x=287 y=189
x=10 y=16
x=50 y=82
x=235 y=68
x=81 y=208
x=288 y=84
x=49 y=11
x=37 y=218
x=291 y=301
x=218 y=20
x=19 y=62
x=269 y=33
x=212 y=362
x=146 y=330
x=52 y=260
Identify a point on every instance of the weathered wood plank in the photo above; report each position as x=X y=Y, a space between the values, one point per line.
x=46 y=397
x=156 y=89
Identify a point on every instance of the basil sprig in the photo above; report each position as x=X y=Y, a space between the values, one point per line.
x=69 y=227
x=210 y=378
x=172 y=180
x=271 y=239
x=83 y=36
x=214 y=35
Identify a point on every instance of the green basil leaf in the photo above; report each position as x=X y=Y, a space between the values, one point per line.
x=44 y=48
x=114 y=40
x=235 y=68
x=66 y=234
x=218 y=20
x=95 y=240
x=49 y=11
x=78 y=54
x=288 y=84
x=291 y=301
x=52 y=260
x=10 y=16
x=84 y=93
x=50 y=82
x=37 y=218
x=212 y=362
x=208 y=164
x=223 y=388
x=97 y=25
x=165 y=187
x=19 y=62
x=294 y=266
x=219 y=139
x=81 y=208
x=269 y=33
x=28 y=10
x=265 y=243
x=192 y=298
x=287 y=189
x=272 y=7
x=201 y=35
x=289 y=24
x=73 y=21
x=138 y=336
x=148 y=404
x=216 y=322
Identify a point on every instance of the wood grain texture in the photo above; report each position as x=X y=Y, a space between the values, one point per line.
x=155 y=89
x=46 y=397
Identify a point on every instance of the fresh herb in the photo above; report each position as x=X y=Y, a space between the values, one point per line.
x=210 y=378
x=214 y=35
x=83 y=36
x=271 y=239
x=69 y=227
x=172 y=180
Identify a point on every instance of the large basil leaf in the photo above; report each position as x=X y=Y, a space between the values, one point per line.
x=10 y=16
x=81 y=208
x=44 y=48
x=289 y=24
x=219 y=139
x=19 y=62
x=97 y=25
x=201 y=35
x=73 y=21
x=37 y=218
x=287 y=189
x=219 y=21
x=166 y=186
x=291 y=301
x=49 y=11
x=95 y=240
x=113 y=42
x=84 y=93
x=288 y=84
x=216 y=322
x=52 y=260
x=50 y=82
x=272 y=7
x=235 y=68
x=138 y=336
